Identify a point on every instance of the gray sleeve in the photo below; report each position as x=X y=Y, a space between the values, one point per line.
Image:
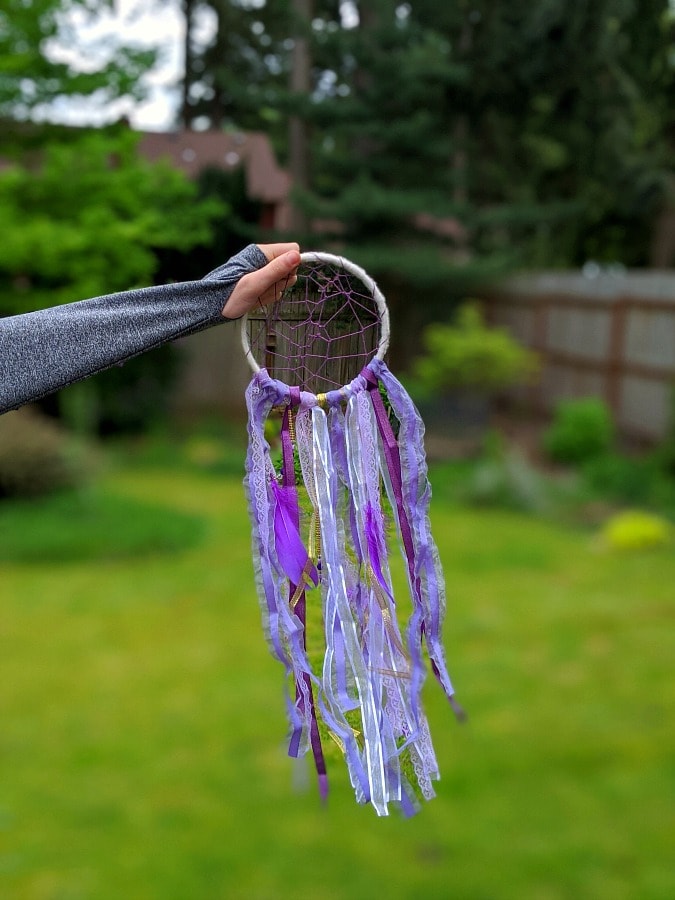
x=43 y=351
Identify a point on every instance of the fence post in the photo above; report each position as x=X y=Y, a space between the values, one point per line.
x=615 y=359
x=540 y=342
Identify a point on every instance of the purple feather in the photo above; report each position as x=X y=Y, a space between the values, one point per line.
x=291 y=552
x=374 y=543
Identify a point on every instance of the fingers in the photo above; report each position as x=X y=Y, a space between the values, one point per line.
x=271 y=251
x=280 y=270
x=264 y=285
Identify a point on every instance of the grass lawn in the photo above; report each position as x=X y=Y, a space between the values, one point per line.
x=142 y=739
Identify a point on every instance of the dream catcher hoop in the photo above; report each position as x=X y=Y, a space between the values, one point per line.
x=334 y=317
x=350 y=470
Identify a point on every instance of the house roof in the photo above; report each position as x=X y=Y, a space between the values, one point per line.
x=194 y=151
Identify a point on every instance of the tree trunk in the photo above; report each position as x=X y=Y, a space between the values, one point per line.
x=185 y=111
x=298 y=133
x=460 y=138
x=662 y=250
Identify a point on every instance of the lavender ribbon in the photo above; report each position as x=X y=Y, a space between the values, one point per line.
x=283 y=629
x=347 y=453
x=299 y=563
x=411 y=487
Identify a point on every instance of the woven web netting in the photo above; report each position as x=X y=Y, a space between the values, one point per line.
x=322 y=331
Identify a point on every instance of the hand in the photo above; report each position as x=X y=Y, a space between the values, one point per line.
x=264 y=285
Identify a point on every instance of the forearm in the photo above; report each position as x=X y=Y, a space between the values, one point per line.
x=43 y=351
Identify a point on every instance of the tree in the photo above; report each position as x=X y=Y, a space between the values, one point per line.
x=300 y=86
x=89 y=217
x=539 y=128
x=256 y=74
x=80 y=212
x=567 y=102
x=240 y=78
x=32 y=76
x=450 y=142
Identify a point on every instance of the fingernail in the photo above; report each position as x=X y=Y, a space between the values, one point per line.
x=293 y=258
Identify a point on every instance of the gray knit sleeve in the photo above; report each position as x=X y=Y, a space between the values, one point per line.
x=45 y=350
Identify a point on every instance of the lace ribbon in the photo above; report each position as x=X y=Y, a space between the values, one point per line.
x=368 y=692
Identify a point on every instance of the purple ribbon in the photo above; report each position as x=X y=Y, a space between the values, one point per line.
x=428 y=582
x=361 y=656
x=418 y=624
x=303 y=688
x=393 y=457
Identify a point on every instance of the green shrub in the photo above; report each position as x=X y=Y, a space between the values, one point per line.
x=636 y=530
x=620 y=477
x=37 y=456
x=665 y=454
x=503 y=477
x=469 y=354
x=582 y=429
x=636 y=481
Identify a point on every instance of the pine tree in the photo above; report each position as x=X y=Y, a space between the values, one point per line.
x=537 y=128
x=240 y=78
x=451 y=141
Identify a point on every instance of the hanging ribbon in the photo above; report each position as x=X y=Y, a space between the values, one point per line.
x=368 y=691
x=301 y=574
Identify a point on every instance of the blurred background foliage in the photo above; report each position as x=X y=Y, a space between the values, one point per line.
x=441 y=146
x=89 y=217
x=535 y=135
x=544 y=131
x=467 y=354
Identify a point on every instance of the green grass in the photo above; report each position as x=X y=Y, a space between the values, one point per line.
x=91 y=525
x=141 y=746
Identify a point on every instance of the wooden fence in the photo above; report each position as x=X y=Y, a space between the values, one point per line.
x=611 y=335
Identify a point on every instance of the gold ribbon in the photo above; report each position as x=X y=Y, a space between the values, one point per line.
x=383 y=603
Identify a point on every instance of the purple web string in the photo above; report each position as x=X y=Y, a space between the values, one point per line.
x=321 y=333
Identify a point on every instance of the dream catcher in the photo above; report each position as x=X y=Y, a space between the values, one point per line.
x=350 y=471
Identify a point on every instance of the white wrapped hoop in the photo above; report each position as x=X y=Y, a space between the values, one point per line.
x=317 y=256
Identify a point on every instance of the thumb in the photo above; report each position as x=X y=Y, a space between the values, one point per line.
x=262 y=285
x=278 y=269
